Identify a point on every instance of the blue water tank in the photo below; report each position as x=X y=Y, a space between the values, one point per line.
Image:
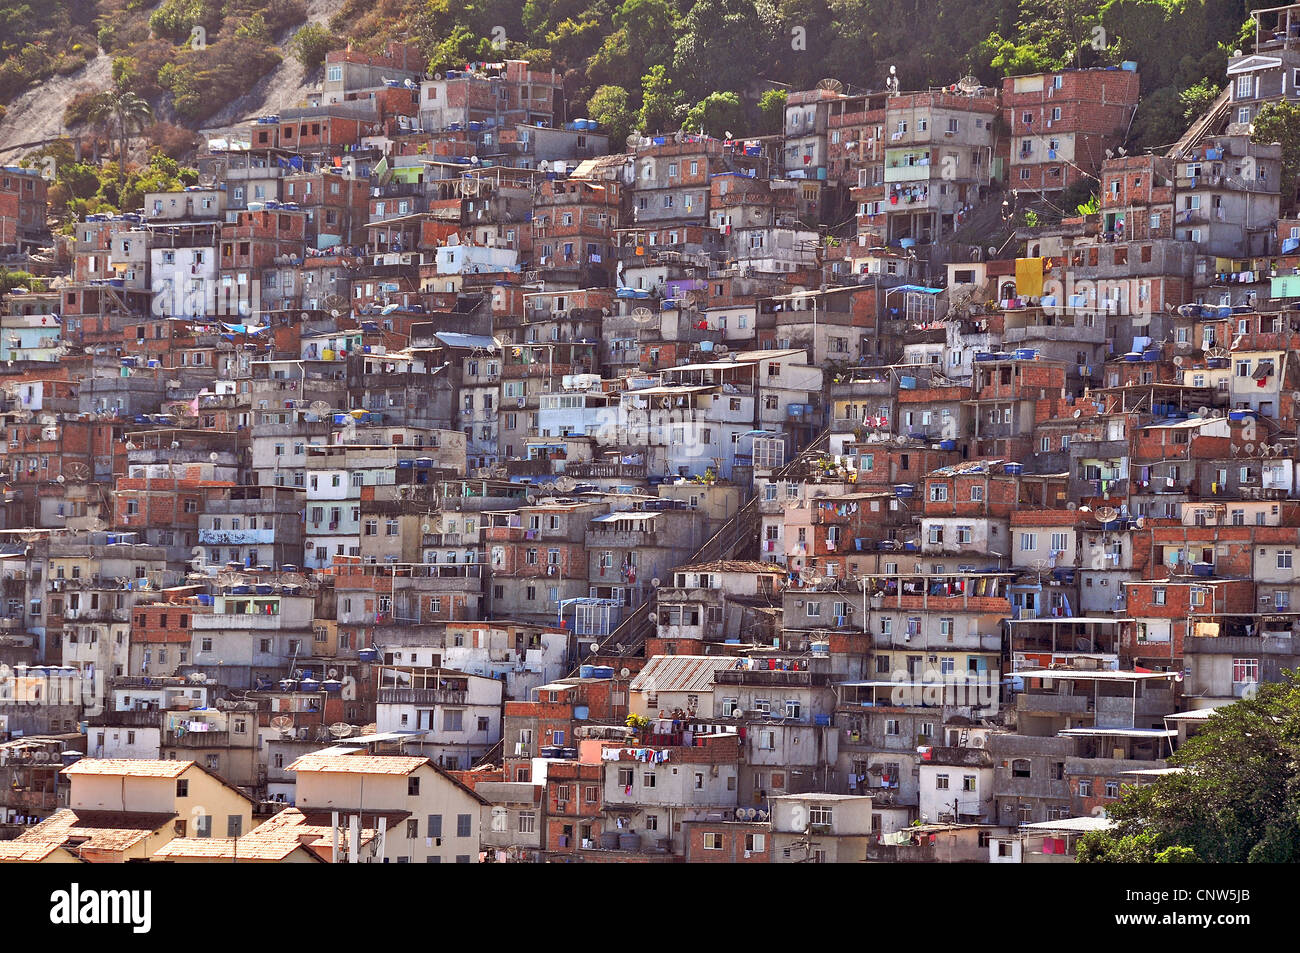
x=602 y=671
x=368 y=655
x=584 y=671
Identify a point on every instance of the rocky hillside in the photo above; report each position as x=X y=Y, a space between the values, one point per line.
x=648 y=64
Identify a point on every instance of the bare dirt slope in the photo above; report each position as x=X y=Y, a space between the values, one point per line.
x=38 y=113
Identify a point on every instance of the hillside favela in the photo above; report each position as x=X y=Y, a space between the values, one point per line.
x=589 y=432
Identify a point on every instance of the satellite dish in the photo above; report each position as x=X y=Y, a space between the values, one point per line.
x=282 y=723
x=1077 y=414
x=834 y=85
x=624 y=672
x=1106 y=514
x=340 y=729
x=1141 y=521
x=968 y=84
x=655 y=582
x=1203 y=412
x=1178 y=360
x=565 y=484
x=642 y=315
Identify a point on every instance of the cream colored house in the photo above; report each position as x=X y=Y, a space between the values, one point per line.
x=122 y=810
x=427 y=815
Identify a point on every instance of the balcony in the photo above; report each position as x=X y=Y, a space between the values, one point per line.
x=197 y=739
x=421 y=696
x=618 y=471
x=770 y=677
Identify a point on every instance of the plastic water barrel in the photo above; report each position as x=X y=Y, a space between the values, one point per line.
x=584 y=671
x=609 y=840
x=629 y=841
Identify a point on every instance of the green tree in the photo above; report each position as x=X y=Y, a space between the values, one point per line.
x=1280 y=122
x=1236 y=800
x=723 y=44
x=129 y=112
x=1197 y=98
x=608 y=106
x=771 y=111
x=311 y=43
x=453 y=52
x=658 y=101
x=717 y=114
x=254 y=28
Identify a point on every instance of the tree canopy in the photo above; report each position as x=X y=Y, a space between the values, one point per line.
x=1236 y=800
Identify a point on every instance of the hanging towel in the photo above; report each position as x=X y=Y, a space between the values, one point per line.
x=1029 y=277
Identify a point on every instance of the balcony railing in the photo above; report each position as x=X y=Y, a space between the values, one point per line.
x=422 y=696
x=197 y=739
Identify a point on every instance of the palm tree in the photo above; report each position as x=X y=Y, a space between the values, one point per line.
x=129 y=111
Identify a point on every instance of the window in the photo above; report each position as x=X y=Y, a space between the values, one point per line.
x=968 y=782
x=820 y=815
x=1158 y=595
x=1112 y=789
x=1284 y=559
x=1028 y=542
x=712 y=841
x=527 y=822
x=938 y=492
x=1245 y=670
x=941 y=782
x=1085 y=787
x=463 y=825
x=412 y=787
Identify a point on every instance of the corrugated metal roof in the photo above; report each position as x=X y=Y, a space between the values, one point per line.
x=680 y=673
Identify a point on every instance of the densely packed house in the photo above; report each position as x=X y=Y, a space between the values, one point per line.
x=573 y=500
